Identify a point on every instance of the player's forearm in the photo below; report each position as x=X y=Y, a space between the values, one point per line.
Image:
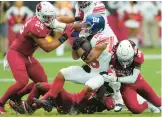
x=66 y=19
x=51 y=46
x=130 y=79
x=59 y=26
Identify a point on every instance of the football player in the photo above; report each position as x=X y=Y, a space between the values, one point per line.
x=63 y=102
x=85 y=8
x=20 y=54
x=97 y=60
x=126 y=63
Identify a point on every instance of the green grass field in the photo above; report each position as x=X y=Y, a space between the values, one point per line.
x=151 y=70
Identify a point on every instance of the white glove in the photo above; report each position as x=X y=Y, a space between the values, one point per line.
x=57 y=26
x=110 y=77
x=5 y=64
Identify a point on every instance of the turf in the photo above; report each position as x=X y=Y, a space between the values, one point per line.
x=151 y=71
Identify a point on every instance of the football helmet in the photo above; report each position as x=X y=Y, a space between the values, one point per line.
x=93 y=24
x=125 y=53
x=84 y=4
x=45 y=12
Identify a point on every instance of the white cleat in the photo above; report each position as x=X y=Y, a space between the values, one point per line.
x=153 y=108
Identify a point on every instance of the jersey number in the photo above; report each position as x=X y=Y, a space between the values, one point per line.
x=39 y=24
x=94 y=64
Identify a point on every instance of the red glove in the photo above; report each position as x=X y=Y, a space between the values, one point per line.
x=69 y=29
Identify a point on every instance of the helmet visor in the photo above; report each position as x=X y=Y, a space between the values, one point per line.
x=125 y=63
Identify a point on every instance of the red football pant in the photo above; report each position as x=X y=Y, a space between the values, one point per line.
x=38 y=89
x=129 y=95
x=22 y=69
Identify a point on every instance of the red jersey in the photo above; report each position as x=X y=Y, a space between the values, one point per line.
x=25 y=44
x=120 y=71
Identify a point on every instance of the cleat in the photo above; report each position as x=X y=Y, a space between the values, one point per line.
x=45 y=104
x=153 y=108
x=18 y=108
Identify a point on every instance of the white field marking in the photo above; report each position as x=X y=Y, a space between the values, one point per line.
x=158 y=72
x=69 y=59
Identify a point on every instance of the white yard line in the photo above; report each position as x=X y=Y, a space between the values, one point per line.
x=69 y=59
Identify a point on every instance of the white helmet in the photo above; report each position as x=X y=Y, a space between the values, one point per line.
x=45 y=12
x=125 y=53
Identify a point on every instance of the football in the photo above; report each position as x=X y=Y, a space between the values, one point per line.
x=86 y=46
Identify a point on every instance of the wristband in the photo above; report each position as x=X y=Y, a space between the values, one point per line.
x=63 y=38
x=84 y=55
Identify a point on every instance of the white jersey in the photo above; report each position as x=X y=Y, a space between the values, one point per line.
x=96 y=7
x=102 y=63
x=93 y=79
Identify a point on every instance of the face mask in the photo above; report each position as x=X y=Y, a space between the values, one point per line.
x=85 y=30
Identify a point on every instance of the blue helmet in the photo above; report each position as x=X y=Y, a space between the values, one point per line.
x=93 y=24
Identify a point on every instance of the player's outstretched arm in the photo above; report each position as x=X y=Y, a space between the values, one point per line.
x=66 y=19
x=132 y=78
x=49 y=46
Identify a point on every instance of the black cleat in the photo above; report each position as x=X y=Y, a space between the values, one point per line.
x=18 y=108
x=45 y=104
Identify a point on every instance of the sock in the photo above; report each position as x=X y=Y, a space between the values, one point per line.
x=27 y=89
x=81 y=95
x=38 y=89
x=56 y=87
x=13 y=89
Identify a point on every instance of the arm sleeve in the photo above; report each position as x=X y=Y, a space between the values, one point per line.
x=131 y=78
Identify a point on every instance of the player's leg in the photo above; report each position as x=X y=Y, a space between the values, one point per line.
x=147 y=92
x=64 y=101
x=37 y=90
x=92 y=84
x=18 y=68
x=36 y=74
x=117 y=96
x=130 y=99
x=26 y=89
x=72 y=73
x=28 y=106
